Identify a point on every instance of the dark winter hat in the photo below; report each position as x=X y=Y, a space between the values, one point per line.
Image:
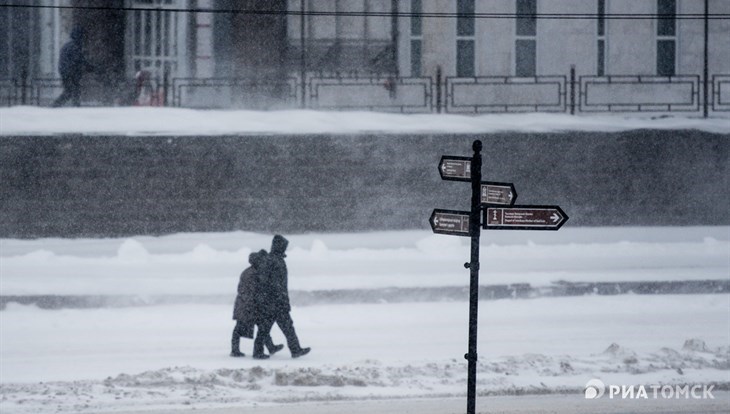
x=257 y=258
x=78 y=33
x=279 y=244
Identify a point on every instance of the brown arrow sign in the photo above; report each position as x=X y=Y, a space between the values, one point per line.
x=498 y=193
x=524 y=218
x=455 y=168
x=452 y=222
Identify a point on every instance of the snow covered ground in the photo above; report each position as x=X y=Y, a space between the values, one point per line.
x=175 y=121
x=176 y=355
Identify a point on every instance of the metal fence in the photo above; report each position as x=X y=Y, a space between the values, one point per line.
x=506 y=94
x=388 y=93
x=721 y=93
x=250 y=93
x=640 y=93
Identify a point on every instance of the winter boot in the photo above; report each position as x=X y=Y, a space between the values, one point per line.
x=258 y=347
x=300 y=352
x=235 y=345
x=273 y=348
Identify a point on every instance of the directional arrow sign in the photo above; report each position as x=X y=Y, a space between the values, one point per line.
x=455 y=223
x=455 y=168
x=498 y=193
x=524 y=218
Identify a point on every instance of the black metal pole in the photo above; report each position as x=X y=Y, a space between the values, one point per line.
x=475 y=232
x=572 y=89
x=394 y=36
x=706 y=74
x=303 y=57
x=438 y=89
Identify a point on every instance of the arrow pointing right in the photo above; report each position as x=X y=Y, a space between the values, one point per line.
x=524 y=218
x=498 y=193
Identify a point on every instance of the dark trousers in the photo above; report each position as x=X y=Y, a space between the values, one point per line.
x=263 y=337
x=286 y=324
x=71 y=91
x=244 y=329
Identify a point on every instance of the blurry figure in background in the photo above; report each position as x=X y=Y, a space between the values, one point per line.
x=145 y=93
x=276 y=268
x=252 y=309
x=72 y=65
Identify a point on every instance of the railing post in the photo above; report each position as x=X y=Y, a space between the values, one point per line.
x=23 y=87
x=438 y=89
x=165 y=81
x=705 y=103
x=572 y=89
x=303 y=57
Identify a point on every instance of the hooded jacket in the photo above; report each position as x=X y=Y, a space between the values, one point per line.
x=276 y=268
x=71 y=62
x=251 y=300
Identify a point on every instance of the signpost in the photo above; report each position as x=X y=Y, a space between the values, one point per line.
x=524 y=218
x=452 y=222
x=486 y=199
x=455 y=168
x=498 y=193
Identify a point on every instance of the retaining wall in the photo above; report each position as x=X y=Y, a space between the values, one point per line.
x=75 y=185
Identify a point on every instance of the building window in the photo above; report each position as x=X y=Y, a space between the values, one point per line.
x=525 y=55
x=465 y=58
x=416 y=58
x=416 y=19
x=416 y=38
x=665 y=57
x=465 y=38
x=667 y=11
x=666 y=48
x=465 y=18
x=601 y=33
x=526 y=40
x=526 y=20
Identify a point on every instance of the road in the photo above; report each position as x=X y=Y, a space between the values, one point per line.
x=526 y=404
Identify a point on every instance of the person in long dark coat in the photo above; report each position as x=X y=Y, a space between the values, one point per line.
x=280 y=295
x=72 y=65
x=251 y=308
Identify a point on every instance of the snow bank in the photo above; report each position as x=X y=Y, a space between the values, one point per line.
x=175 y=121
x=209 y=264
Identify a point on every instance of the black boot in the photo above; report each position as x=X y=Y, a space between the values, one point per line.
x=273 y=348
x=235 y=345
x=300 y=352
x=258 y=347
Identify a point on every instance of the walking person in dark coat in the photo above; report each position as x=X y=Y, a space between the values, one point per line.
x=72 y=65
x=280 y=304
x=252 y=309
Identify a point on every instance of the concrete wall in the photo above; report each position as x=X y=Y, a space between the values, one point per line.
x=73 y=186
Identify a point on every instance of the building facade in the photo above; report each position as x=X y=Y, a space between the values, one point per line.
x=509 y=54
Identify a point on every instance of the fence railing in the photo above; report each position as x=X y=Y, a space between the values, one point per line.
x=721 y=93
x=251 y=93
x=640 y=93
x=373 y=92
x=506 y=94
